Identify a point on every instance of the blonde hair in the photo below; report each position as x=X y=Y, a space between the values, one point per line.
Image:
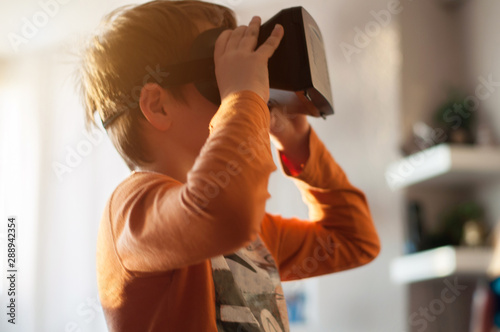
x=131 y=43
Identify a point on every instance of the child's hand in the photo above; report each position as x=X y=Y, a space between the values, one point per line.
x=238 y=65
x=290 y=134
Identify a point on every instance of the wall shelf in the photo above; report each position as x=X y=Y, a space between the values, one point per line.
x=446 y=165
x=439 y=263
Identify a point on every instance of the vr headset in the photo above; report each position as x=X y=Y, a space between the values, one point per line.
x=298 y=73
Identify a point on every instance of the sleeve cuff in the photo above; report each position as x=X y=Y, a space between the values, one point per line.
x=320 y=170
x=298 y=171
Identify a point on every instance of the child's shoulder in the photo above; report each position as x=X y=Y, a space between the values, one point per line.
x=140 y=183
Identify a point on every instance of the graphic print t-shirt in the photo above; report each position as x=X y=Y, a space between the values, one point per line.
x=249 y=296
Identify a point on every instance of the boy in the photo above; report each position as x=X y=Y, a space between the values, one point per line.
x=185 y=243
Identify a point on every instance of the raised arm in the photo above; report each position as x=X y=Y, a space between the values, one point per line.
x=339 y=234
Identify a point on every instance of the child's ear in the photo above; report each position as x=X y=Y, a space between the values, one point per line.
x=152 y=103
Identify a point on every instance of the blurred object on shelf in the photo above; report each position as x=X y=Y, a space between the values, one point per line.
x=457 y=118
x=414 y=229
x=456 y=121
x=463 y=225
x=425 y=136
x=473 y=233
x=422 y=137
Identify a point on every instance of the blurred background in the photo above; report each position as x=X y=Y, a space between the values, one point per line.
x=415 y=86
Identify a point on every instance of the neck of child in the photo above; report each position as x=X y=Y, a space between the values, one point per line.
x=177 y=168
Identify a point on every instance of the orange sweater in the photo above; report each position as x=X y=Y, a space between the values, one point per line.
x=204 y=255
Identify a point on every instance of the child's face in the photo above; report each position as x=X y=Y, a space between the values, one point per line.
x=191 y=123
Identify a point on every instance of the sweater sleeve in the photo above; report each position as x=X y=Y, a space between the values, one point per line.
x=339 y=234
x=160 y=224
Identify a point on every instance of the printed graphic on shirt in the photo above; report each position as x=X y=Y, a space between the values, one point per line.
x=248 y=292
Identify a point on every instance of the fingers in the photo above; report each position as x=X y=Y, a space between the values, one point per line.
x=238 y=66
x=243 y=36
x=246 y=37
x=271 y=44
x=249 y=41
x=234 y=40
x=221 y=43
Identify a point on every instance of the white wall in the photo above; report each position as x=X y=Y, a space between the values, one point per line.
x=71 y=204
x=19 y=182
x=58 y=215
x=433 y=57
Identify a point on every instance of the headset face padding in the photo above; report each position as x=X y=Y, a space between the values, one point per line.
x=203 y=48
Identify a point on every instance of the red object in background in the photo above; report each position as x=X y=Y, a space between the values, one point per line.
x=483 y=308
